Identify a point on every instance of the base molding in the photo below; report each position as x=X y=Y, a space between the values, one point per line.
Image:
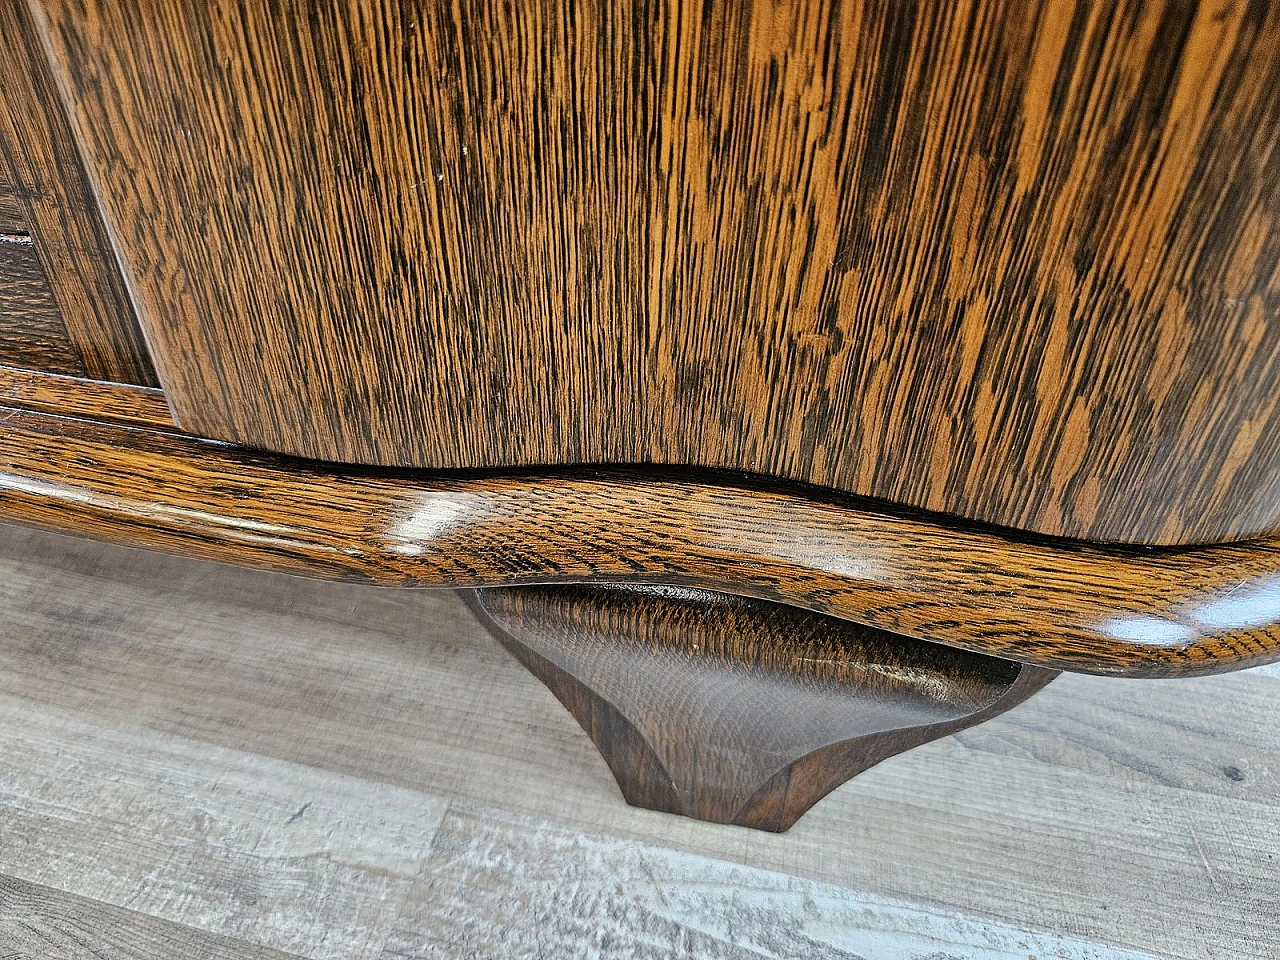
x=738 y=710
x=106 y=461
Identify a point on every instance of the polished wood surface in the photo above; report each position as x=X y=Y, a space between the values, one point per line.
x=736 y=710
x=1132 y=611
x=66 y=396
x=59 y=210
x=32 y=333
x=1015 y=262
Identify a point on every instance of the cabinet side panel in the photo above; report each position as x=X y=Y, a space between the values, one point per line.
x=32 y=334
x=51 y=192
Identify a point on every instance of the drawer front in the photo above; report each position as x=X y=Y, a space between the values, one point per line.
x=32 y=334
x=1016 y=264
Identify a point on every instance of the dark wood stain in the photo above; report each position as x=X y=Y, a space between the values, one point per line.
x=11 y=218
x=31 y=330
x=59 y=211
x=1061 y=605
x=69 y=396
x=736 y=710
x=1016 y=262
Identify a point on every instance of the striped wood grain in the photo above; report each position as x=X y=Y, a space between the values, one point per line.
x=11 y=217
x=1013 y=261
x=1062 y=605
x=60 y=211
x=41 y=923
x=32 y=333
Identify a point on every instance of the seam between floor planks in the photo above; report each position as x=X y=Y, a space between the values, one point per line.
x=1063 y=816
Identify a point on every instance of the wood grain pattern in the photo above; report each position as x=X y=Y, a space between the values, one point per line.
x=1014 y=262
x=66 y=396
x=266 y=837
x=32 y=333
x=11 y=218
x=1106 y=813
x=60 y=211
x=1140 y=612
x=735 y=710
x=40 y=922
x=652 y=902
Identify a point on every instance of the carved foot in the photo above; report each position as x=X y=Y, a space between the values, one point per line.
x=736 y=710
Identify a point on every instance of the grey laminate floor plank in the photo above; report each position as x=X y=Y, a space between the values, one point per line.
x=250 y=847
x=1115 y=814
x=41 y=923
x=545 y=890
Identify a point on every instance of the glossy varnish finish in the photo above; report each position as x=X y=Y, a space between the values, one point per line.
x=52 y=197
x=32 y=333
x=68 y=396
x=1011 y=261
x=736 y=710
x=1139 y=612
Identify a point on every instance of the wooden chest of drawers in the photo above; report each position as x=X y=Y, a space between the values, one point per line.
x=820 y=334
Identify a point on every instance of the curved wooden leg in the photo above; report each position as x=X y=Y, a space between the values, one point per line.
x=736 y=710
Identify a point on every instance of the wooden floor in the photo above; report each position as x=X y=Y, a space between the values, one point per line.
x=198 y=761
